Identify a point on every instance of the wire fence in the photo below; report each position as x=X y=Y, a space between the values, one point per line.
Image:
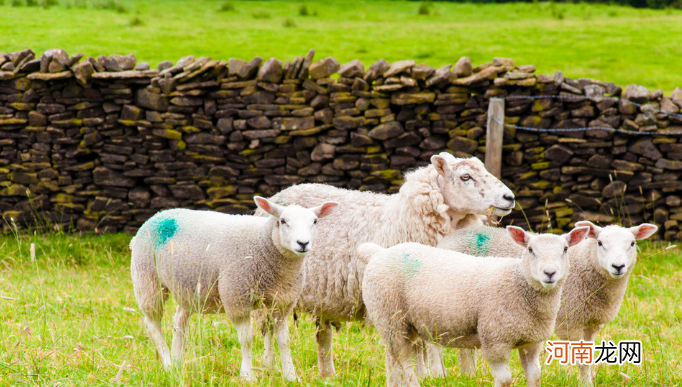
x=597 y=99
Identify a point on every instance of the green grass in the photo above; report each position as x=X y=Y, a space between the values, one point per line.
x=610 y=43
x=70 y=317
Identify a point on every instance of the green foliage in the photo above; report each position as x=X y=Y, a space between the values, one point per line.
x=16 y=3
x=423 y=9
x=136 y=22
x=49 y=3
x=31 y=3
x=260 y=14
x=289 y=23
x=227 y=7
x=303 y=10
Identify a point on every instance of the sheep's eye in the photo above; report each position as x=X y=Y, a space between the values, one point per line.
x=465 y=177
x=315 y=221
x=282 y=221
x=599 y=243
x=632 y=244
x=565 y=250
x=530 y=250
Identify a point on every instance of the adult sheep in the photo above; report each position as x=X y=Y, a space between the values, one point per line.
x=448 y=194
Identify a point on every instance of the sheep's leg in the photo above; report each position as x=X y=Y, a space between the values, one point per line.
x=498 y=360
x=530 y=359
x=180 y=321
x=434 y=356
x=325 y=354
x=282 y=332
x=151 y=297
x=245 y=333
x=154 y=330
x=393 y=371
x=467 y=361
x=585 y=371
x=419 y=363
x=269 y=360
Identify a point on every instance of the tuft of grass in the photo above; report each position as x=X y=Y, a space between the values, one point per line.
x=260 y=14
x=289 y=23
x=423 y=10
x=303 y=10
x=16 y=3
x=136 y=22
x=227 y=7
x=47 y=4
x=31 y=3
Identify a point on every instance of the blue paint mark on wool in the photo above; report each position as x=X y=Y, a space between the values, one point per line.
x=165 y=229
x=410 y=265
x=482 y=244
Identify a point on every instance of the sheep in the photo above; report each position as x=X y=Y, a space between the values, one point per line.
x=412 y=291
x=447 y=194
x=594 y=290
x=211 y=262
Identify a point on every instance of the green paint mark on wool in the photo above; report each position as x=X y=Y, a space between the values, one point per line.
x=410 y=265
x=482 y=244
x=165 y=229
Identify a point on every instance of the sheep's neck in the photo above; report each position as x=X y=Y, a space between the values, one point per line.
x=285 y=264
x=541 y=303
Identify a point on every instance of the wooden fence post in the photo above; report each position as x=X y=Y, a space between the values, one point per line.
x=494 y=134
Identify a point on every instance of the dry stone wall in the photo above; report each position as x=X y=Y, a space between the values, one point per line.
x=102 y=144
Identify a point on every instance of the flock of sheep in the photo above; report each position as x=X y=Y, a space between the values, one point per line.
x=405 y=263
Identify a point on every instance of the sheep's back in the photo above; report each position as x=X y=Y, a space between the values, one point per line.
x=482 y=241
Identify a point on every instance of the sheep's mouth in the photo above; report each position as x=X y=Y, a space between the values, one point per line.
x=502 y=211
x=617 y=275
x=548 y=283
x=301 y=251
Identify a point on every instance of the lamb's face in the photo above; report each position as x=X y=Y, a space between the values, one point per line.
x=468 y=188
x=547 y=254
x=297 y=225
x=617 y=246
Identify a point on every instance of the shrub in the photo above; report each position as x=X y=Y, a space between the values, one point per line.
x=261 y=15
x=303 y=10
x=136 y=22
x=50 y=3
x=31 y=3
x=423 y=9
x=227 y=7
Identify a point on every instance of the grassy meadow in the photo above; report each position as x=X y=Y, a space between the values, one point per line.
x=611 y=43
x=69 y=318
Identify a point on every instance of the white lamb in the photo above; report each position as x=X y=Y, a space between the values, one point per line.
x=212 y=262
x=449 y=193
x=594 y=290
x=413 y=291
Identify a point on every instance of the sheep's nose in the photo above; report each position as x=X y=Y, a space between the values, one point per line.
x=509 y=196
x=302 y=244
x=550 y=274
x=618 y=268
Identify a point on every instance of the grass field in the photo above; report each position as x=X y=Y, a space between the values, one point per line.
x=610 y=43
x=70 y=317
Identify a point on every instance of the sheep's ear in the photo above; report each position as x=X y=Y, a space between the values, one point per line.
x=519 y=235
x=643 y=231
x=325 y=209
x=268 y=206
x=594 y=229
x=576 y=235
x=440 y=164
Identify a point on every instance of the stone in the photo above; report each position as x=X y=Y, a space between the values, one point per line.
x=187 y=192
x=385 y=131
x=463 y=67
x=83 y=72
x=674 y=165
x=271 y=71
x=324 y=68
x=249 y=70
x=638 y=94
x=676 y=96
x=398 y=67
x=352 y=69
x=323 y=151
x=305 y=66
x=120 y=62
x=107 y=177
x=412 y=98
x=462 y=144
x=614 y=189
x=646 y=148
x=150 y=100
x=376 y=70
x=293 y=123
